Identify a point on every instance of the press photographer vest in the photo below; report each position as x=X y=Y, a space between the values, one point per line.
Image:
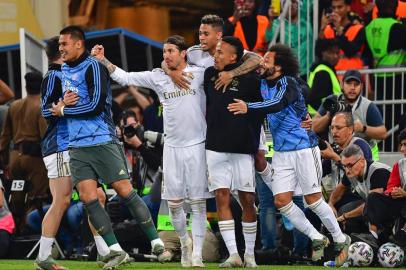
x=359 y=111
x=402 y=172
x=334 y=81
x=362 y=188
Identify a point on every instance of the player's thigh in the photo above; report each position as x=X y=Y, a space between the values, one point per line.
x=243 y=172
x=195 y=172
x=284 y=175
x=57 y=165
x=80 y=165
x=309 y=170
x=219 y=169
x=173 y=183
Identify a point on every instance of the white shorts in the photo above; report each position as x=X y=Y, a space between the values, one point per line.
x=185 y=173
x=57 y=164
x=262 y=141
x=296 y=168
x=231 y=170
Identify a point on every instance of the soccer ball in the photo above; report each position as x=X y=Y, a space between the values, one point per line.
x=390 y=255
x=360 y=254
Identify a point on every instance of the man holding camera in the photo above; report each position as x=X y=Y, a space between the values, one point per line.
x=364 y=176
x=184 y=156
x=368 y=123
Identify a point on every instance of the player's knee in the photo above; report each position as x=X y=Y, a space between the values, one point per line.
x=175 y=206
x=87 y=196
x=281 y=202
x=198 y=206
x=101 y=196
x=122 y=187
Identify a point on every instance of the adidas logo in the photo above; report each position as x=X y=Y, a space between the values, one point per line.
x=247 y=185
x=315 y=185
x=122 y=172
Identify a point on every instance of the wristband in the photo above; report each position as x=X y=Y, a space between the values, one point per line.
x=63 y=107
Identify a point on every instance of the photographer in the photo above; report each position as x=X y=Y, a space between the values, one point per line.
x=368 y=123
x=144 y=155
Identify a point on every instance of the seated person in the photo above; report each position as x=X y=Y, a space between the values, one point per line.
x=364 y=177
x=384 y=208
x=6 y=224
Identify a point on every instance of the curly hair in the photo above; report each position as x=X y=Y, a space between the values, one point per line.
x=286 y=59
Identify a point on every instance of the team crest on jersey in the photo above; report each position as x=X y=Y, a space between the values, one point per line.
x=189 y=75
x=234 y=84
x=69 y=87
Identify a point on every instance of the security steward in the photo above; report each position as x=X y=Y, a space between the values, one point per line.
x=24 y=127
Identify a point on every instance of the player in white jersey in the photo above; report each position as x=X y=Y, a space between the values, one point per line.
x=184 y=165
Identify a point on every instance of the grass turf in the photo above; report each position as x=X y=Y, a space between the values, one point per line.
x=84 y=265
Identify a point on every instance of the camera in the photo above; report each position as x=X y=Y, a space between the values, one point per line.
x=328 y=11
x=333 y=105
x=323 y=146
x=152 y=137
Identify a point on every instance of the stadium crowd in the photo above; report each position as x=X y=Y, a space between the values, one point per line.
x=237 y=150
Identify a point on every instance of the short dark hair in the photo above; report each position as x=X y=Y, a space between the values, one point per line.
x=75 y=32
x=402 y=135
x=213 y=20
x=236 y=44
x=33 y=82
x=178 y=41
x=352 y=150
x=386 y=7
x=323 y=44
x=286 y=59
x=52 y=49
x=347 y=2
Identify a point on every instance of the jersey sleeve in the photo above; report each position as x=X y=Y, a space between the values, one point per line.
x=141 y=79
x=51 y=91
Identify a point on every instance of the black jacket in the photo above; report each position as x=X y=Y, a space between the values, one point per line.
x=227 y=132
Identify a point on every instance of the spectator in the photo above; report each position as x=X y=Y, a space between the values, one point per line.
x=6 y=94
x=364 y=177
x=25 y=126
x=246 y=25
x=6 y=224
x=400 y=11
x=350 y=34
x=368 y=123
x=363 y=8
x=292 y=32
x=386 y=47
x=322 y=78
x=386 y=208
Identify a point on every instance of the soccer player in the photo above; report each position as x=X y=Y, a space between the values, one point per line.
x=184 y=165
x=95 y=152
x=231 y=142
x=297 y=156
x=202 y=55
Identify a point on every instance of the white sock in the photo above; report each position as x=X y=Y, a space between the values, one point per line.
x=45 y=247
x=228 y=233
x=326 y=215
x=250 y=234
x=198 y=225
x=266 y=174
x=299 y=220
x=101 y=246
x=178 y=218
x=157 y=241
x=115 y=247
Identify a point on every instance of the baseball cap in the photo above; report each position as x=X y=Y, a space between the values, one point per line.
x=352 y=74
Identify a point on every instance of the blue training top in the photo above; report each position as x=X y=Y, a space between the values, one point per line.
x=56 y=138
x=285 y=107
x=90 y=120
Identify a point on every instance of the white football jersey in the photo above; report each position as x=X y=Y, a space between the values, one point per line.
x=184 y=111
x=196 y=56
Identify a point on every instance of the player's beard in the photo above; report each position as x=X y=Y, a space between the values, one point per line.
x=268 y=72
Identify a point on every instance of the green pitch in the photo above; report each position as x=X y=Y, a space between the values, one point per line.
x=82 y=265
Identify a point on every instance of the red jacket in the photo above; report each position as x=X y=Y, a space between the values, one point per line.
x=394 y=179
